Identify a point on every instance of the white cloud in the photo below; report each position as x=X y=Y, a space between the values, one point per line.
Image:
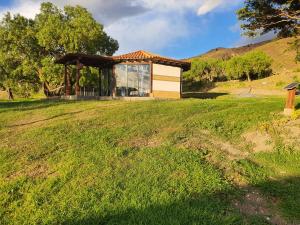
x=28 y=9
x=137 y=24
x=208 y=6
x=148 y=34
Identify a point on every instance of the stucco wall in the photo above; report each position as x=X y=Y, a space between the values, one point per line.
x=166 y=81
x=163 y=70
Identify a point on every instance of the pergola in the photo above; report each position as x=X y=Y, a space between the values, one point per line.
x=81 y=60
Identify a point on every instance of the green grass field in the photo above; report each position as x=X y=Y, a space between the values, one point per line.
x=154 y=162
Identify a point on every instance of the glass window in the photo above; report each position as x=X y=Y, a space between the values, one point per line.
x=133 y=79
x=121 y=79
x=145 y=80
x=105 y=81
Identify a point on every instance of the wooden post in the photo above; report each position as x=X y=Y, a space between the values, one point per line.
x=109 y=75
x=67 y=82
x=113 y=88
x=65 y=79
x=77 y=87
x=290 y=102
x=100 y=82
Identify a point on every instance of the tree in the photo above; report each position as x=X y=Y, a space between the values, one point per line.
x=258 y=64
x=254 y=64
x=234 y=68
x=279 y=16
x=28 y=47
x=215 y=69
x=18 y=55
x=210 y=69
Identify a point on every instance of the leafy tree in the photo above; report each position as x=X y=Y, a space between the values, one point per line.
x=215 y=69
x=210 y=69
x=279 y=16
x=18 y=55
x=235 y=68
x=251 y=65
x=28 y=48
x=258 y=64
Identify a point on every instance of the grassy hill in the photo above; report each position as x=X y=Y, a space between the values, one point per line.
x=285 y=69
x=158 y=162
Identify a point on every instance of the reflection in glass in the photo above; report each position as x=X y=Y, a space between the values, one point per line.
x=133 y=80
x=144 y=81
x=121 y=79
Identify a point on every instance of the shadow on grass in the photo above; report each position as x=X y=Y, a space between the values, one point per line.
x=297 y=106
x=43 y=120
x=203 y=95
x=216 y=208
x=29 y=104
x=201 y=209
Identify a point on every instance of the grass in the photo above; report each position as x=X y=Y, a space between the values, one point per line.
x=137 y=162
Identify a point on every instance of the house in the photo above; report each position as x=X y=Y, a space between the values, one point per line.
x=136 y=74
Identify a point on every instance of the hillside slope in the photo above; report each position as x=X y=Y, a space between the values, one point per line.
x=277 y=49
x=285 y=69
x=223 y=53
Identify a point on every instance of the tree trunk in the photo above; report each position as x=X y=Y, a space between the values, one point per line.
x=248 y=77
x=250 y=83
x=46 y=89
x=10 y=94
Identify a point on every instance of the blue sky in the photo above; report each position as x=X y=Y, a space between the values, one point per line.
x=174 y=28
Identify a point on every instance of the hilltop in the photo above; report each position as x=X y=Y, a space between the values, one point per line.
x=285 y=69
x=224 y=53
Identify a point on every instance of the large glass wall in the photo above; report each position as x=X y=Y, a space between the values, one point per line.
x=106 y=81
x=133 y=79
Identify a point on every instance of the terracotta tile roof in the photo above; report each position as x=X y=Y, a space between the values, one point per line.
x=144 y=55
x=97 y=60
x=137 y=55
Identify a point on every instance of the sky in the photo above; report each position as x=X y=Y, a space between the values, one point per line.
x=173 y=28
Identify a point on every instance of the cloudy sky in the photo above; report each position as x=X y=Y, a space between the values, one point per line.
x=175 y=28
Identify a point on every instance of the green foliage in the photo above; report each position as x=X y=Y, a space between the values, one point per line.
x=282 y=17
x=17 y=56
x=51 y=72
x=270 y=15
x=72 y=30
x=235 y=67
x=210 y=69
x=28 y=47
x=252 y=65
x=90 y=77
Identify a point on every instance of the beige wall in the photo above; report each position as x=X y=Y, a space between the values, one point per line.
x=163 y=70
x=166 y=81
